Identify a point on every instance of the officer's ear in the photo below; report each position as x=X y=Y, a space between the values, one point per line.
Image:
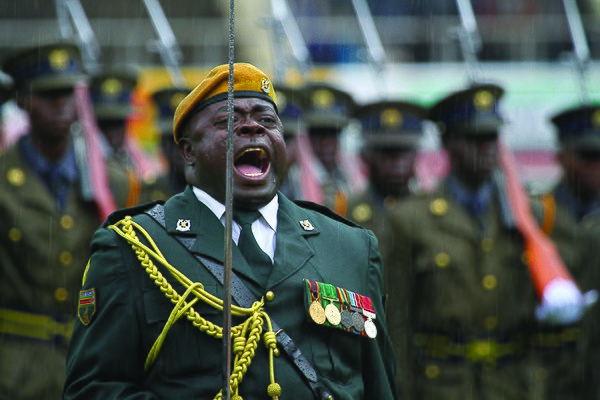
x=186 y=150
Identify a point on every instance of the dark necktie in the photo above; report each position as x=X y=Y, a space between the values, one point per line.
x=255 y=257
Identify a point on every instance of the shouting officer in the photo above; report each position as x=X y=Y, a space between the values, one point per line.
x=307 y=315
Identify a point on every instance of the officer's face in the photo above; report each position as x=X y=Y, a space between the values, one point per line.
x=51 y=113
x=582 y=172
x=473 y=158
x=259 y=151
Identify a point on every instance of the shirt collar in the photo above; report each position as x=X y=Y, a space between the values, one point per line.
x=268 y=211
x=66 y=167
x=463 y=196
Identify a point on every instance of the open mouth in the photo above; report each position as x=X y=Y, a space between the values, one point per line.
x=252 y=162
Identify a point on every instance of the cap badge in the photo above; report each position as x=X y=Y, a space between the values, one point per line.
x=265 y=85
x=322 y=98
x=596 y=119
x=483 y=100
x=391 y=118
x=306 y=225
x=183 y=225
x=111 y=87
x=59 y=59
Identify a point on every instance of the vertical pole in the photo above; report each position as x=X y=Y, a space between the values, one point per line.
x=228 y=212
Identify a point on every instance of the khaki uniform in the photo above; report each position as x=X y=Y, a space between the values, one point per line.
x=462 y=302
x=43 y=252
x=373 y=214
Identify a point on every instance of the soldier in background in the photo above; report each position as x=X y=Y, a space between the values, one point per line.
x=166 y=101
x=327 y=112
x=391 y=132
x=575 y=197
x=460 y=298
x=111 y=92
x=46 y=223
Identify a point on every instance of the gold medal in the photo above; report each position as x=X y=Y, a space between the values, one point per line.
x=333 y=314
x=316 y=312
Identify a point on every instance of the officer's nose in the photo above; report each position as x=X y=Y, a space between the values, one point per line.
x=250 y=127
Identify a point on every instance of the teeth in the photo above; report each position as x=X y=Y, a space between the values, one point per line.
x=261 y=153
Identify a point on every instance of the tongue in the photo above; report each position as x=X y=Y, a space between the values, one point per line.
x=246 y=169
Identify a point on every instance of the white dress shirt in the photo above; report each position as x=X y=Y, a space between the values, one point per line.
x=263 y=229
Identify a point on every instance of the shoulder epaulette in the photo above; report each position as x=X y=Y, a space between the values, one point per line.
x=118 y=215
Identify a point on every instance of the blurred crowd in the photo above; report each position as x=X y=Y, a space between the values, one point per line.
x=468 y=317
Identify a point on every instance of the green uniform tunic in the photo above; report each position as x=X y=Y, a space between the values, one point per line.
x=106 y=358
x=43 y=253
x=460 y=302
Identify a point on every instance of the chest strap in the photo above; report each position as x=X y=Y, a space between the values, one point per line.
x=242 y=295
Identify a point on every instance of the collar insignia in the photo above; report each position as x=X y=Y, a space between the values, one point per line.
x=183 y=225
x=306 y=225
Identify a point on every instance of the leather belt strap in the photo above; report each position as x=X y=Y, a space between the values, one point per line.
x=242 y=295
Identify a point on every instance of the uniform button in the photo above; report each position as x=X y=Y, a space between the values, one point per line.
x=16 y=176
x=487 y=245
x=66 y=258
x=442 y=260
x=60 y=294
x=362 y=213
x=66 y=221
x=489 y=282
x=490 y=323
x=438 y=207
x=14 y=234
x=432 y=371
x=270 y=296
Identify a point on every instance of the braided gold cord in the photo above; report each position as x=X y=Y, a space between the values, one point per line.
x=245 y=336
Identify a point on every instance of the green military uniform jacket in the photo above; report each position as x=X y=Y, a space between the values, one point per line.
x=459 y=302
x=43 y=252
x=107 y=357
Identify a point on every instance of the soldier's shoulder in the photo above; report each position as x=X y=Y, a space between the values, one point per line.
x=324 y=213
x=132 y=212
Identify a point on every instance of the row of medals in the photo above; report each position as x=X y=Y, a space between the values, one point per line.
x=348 y=319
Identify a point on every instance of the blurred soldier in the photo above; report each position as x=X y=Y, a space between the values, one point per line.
x=300 y=182
x=173 y=182
x=461 y=299
x=46 y=223
x=327 y=112
x=575 y=197
x=391 y=131
x=111 y=93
